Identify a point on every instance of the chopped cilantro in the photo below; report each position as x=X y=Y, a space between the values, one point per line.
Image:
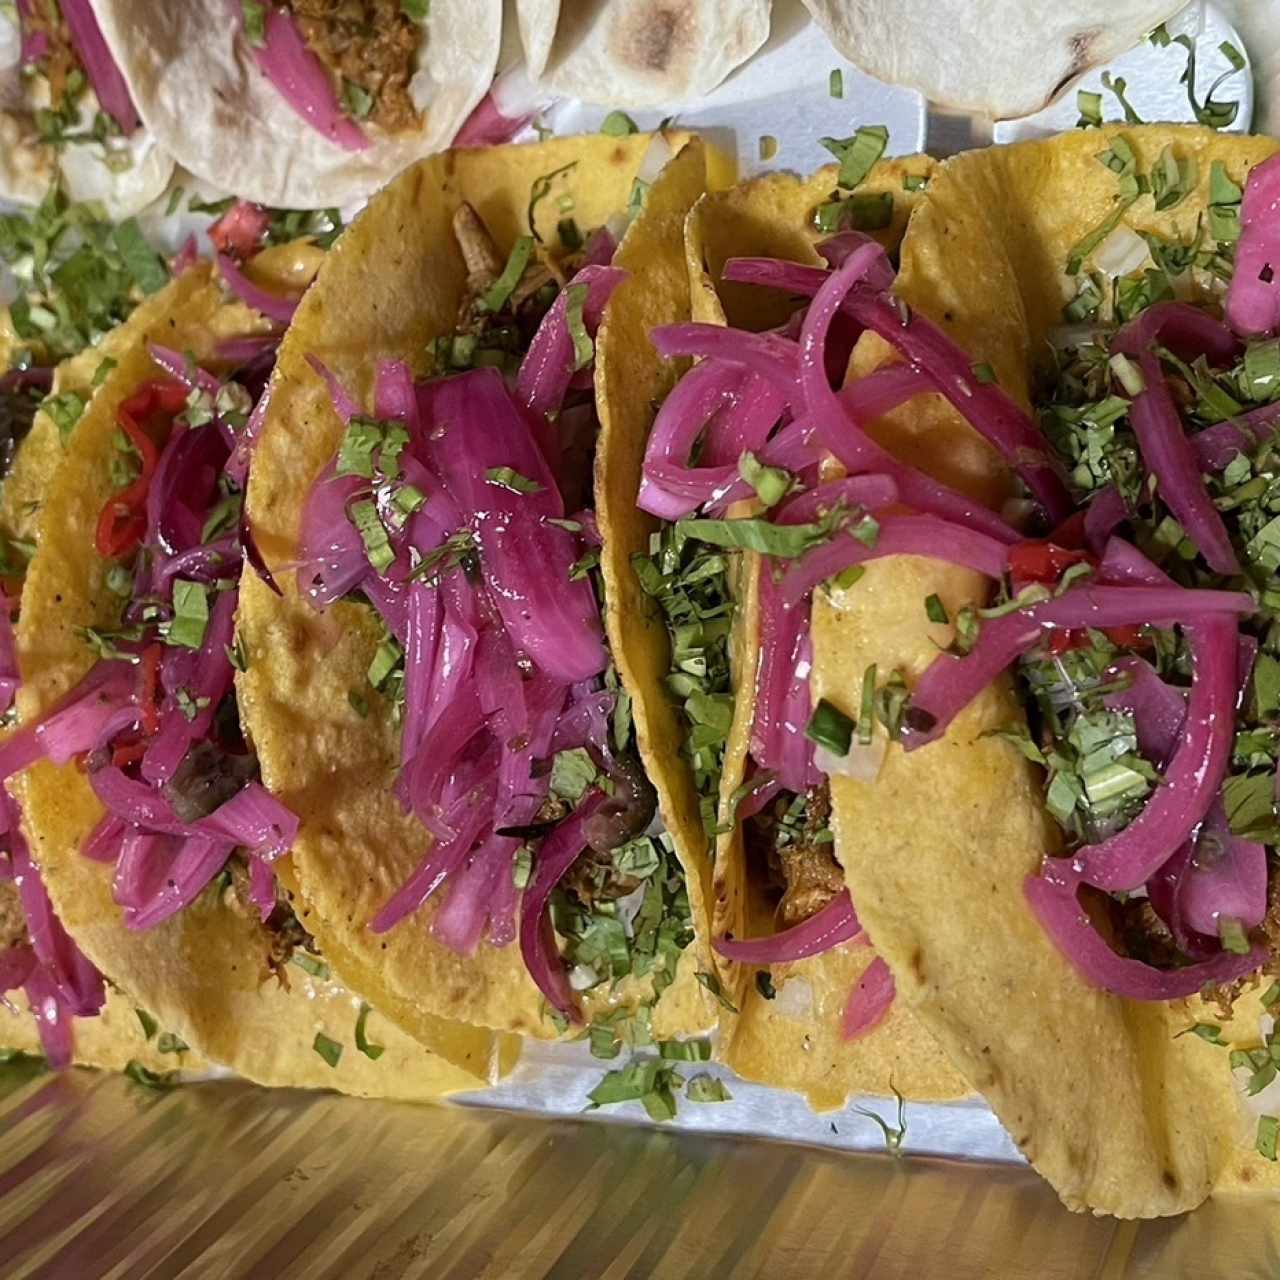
x=862 y=211
x=522 y=866
x=649 y=1081
x=140 y=260
x=575 y=298
x=573 y=774
x=170 y=1043
x=510 y=478
x=377 y=545
x=1089 y=105
x=857 y=154
x=254 y=13
x=706 y=1088
x=498 y=293
x=1213 y=113
x=698 y=1050
x=830 y=728
x=329 y=1050
x=310 y=964
x=149 y=1079
x=835 y=83
x=539 y=191
x=357 y=101
x=617 y=124
x=1172 y=179
x=148 y=1023
x=190 y=614
x=785 y=541
x=65 y=409
x=770 y=483
x=1118 y=86
x=712 y=984
x=373 y=1051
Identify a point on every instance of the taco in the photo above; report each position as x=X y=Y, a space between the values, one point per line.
x=806 y=1001
x=304 y=103
x=638 y=53
x=66 y=116
x=1053 y=672
x=138 y=795
x=474 y=823
x=64 y=1012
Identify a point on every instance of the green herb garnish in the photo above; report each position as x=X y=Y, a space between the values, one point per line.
x=372 y=1051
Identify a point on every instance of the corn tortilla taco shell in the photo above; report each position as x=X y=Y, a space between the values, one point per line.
x=200 y=974
x=356 y=845
x=1117 y=1114
x=794 y=1039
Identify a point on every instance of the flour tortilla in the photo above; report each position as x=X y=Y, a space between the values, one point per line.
x=389 y=286
x=202 y=975
x=29 y=167
x=794 y=1040
x=199 y=91
x=1120 y=1117
x=1001 y=57
x=638 y=53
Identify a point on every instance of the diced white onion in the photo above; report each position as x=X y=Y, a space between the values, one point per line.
x=794 y=998
x=1123 y=251
x=863 y=762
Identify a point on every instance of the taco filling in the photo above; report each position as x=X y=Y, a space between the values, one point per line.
x=1141 y=627
x=734 y=463
x=62 y=43
x=154 y=723
x=342 y=65
x=460 y=510
x=37 y=955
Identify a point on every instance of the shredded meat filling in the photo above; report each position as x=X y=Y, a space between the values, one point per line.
x=798 y=851
x=371 y=43
x=484 y=265
x=59 y=61
x=284 y=931
x=13 y=924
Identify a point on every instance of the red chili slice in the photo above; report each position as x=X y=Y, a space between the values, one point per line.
x=1043 y=562
x=123 y=521
x=149 y=688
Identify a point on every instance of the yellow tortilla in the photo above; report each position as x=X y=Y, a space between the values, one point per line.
x=794 y=1040
x=1119 y=1116
x=389 y=286
x=202 y=974
x=116 y=1036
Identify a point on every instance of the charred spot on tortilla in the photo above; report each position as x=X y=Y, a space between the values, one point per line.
x=653 y=38
x=1080 y=47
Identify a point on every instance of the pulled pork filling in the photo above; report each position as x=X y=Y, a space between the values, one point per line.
x=371 y=45
x=284 y=932
x=792 y=838
x=13 y=923
x=59 y=62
